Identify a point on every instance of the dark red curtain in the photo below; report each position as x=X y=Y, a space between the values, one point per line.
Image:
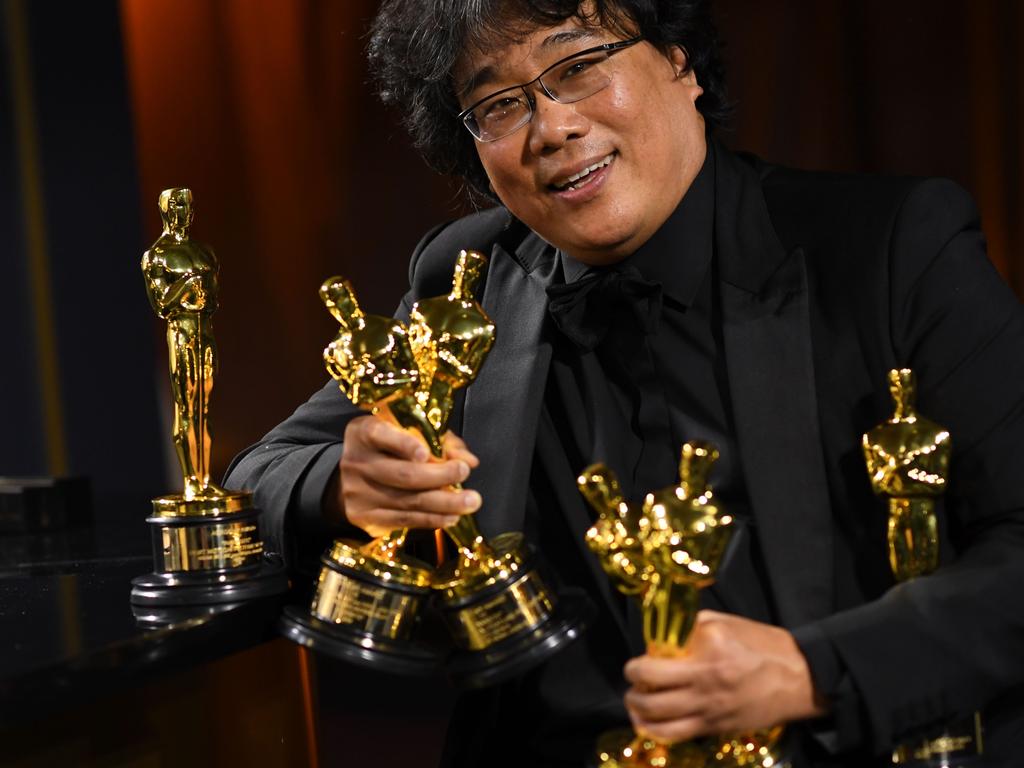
x=264 y=109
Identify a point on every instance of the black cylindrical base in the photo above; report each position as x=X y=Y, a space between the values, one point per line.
x=160 y=616
x=230 y=585
x=518 y=653
x=348 y=643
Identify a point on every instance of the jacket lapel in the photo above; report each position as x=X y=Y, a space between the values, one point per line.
x=503 y=404
x=770 y=363
x=502 y=408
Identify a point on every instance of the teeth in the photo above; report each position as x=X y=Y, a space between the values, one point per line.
x=569 y=182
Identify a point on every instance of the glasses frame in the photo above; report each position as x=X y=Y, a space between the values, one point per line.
x=609 y=48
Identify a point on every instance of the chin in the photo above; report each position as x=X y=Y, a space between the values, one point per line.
x=597 y=249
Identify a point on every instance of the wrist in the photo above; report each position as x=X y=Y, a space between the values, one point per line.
x=806 y=701
x=332 y=507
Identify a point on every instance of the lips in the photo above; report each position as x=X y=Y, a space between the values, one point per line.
x=580 y=177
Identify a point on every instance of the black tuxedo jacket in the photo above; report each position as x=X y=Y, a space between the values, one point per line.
x=826 y=282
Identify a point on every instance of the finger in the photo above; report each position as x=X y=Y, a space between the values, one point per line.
x=415 y=476
x=455 y=448
x=653 y=673
x=382 y=521
x=662 y=706
x=389 y=438
x=442 y=501
x=706 y=615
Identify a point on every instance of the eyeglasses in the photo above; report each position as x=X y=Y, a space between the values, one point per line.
x=571 y=79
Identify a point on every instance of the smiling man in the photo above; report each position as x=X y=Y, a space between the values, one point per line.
x=650 y=287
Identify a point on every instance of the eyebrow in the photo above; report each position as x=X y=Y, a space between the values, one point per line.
x=489 y=74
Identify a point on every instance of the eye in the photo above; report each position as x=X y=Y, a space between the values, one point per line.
x=579 y=67
x=501 y=108
x=576 y=68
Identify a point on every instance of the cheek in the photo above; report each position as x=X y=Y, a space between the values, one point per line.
x=502 y=161
x=624 y=107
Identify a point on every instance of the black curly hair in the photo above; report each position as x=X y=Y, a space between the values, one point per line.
x=415 y=45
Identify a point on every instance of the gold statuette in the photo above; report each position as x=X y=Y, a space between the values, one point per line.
x=369 y=597
x=664 y=552
x=907 y=460
x=207 y=545
x=501 y=614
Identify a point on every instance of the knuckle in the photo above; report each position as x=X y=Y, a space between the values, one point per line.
x=403 y=475
x=357 y=428
x=408 y=502
x=725 y=675
x=404 y=519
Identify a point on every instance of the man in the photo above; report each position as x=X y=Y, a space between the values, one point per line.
x=648 y=288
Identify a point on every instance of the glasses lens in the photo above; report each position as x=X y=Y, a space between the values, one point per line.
x=577 y=78
x=499 y=116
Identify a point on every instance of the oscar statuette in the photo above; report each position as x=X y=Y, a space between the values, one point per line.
x=664 y=552
x=907 y=460
x=369 y=597
x=206 y=540
x=502 y=614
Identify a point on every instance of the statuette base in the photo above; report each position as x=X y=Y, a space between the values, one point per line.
x=207 y=551
x=210 y=587
x=366 y=610
x=348 y=644
x=624 y=749
x=518 y=653
x=506 y=619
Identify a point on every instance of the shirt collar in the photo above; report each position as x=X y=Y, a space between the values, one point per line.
x=678 y=254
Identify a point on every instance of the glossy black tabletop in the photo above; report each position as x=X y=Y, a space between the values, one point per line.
x=68 y=633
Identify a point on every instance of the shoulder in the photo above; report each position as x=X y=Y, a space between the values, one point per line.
x=869 y=231
x=430 y=270
x=808 y=207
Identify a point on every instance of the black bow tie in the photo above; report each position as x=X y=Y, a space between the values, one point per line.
x=586 y=309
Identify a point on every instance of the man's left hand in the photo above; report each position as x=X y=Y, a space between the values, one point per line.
x=735 y=675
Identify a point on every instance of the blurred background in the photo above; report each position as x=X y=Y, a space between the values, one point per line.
x=264 y=109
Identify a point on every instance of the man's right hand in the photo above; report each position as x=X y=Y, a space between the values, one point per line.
x=387 y=479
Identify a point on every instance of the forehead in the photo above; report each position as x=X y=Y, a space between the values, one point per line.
x=497 y=60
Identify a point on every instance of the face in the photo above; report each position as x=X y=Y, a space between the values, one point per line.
x=643 y=130
x=179 y=210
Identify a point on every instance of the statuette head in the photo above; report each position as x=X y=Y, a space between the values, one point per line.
x=176 y=210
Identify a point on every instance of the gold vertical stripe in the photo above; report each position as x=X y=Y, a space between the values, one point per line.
x=309 y=712
x=70 y=613
x=27 y=144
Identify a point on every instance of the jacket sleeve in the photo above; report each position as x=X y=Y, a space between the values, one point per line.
x=949 y=643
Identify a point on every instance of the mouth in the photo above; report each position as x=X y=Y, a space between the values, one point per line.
x=582 y=177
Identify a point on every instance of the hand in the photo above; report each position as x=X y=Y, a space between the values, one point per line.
x=387 y=479
x=736 y=675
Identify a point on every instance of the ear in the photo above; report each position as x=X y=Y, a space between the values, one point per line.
x=680 y=61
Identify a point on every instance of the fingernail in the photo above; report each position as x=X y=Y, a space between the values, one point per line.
x=449 y=522
x=422 y=454
x=463 y=470
x=471 y=500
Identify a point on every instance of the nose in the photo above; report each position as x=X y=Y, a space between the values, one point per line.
x=554 y=124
